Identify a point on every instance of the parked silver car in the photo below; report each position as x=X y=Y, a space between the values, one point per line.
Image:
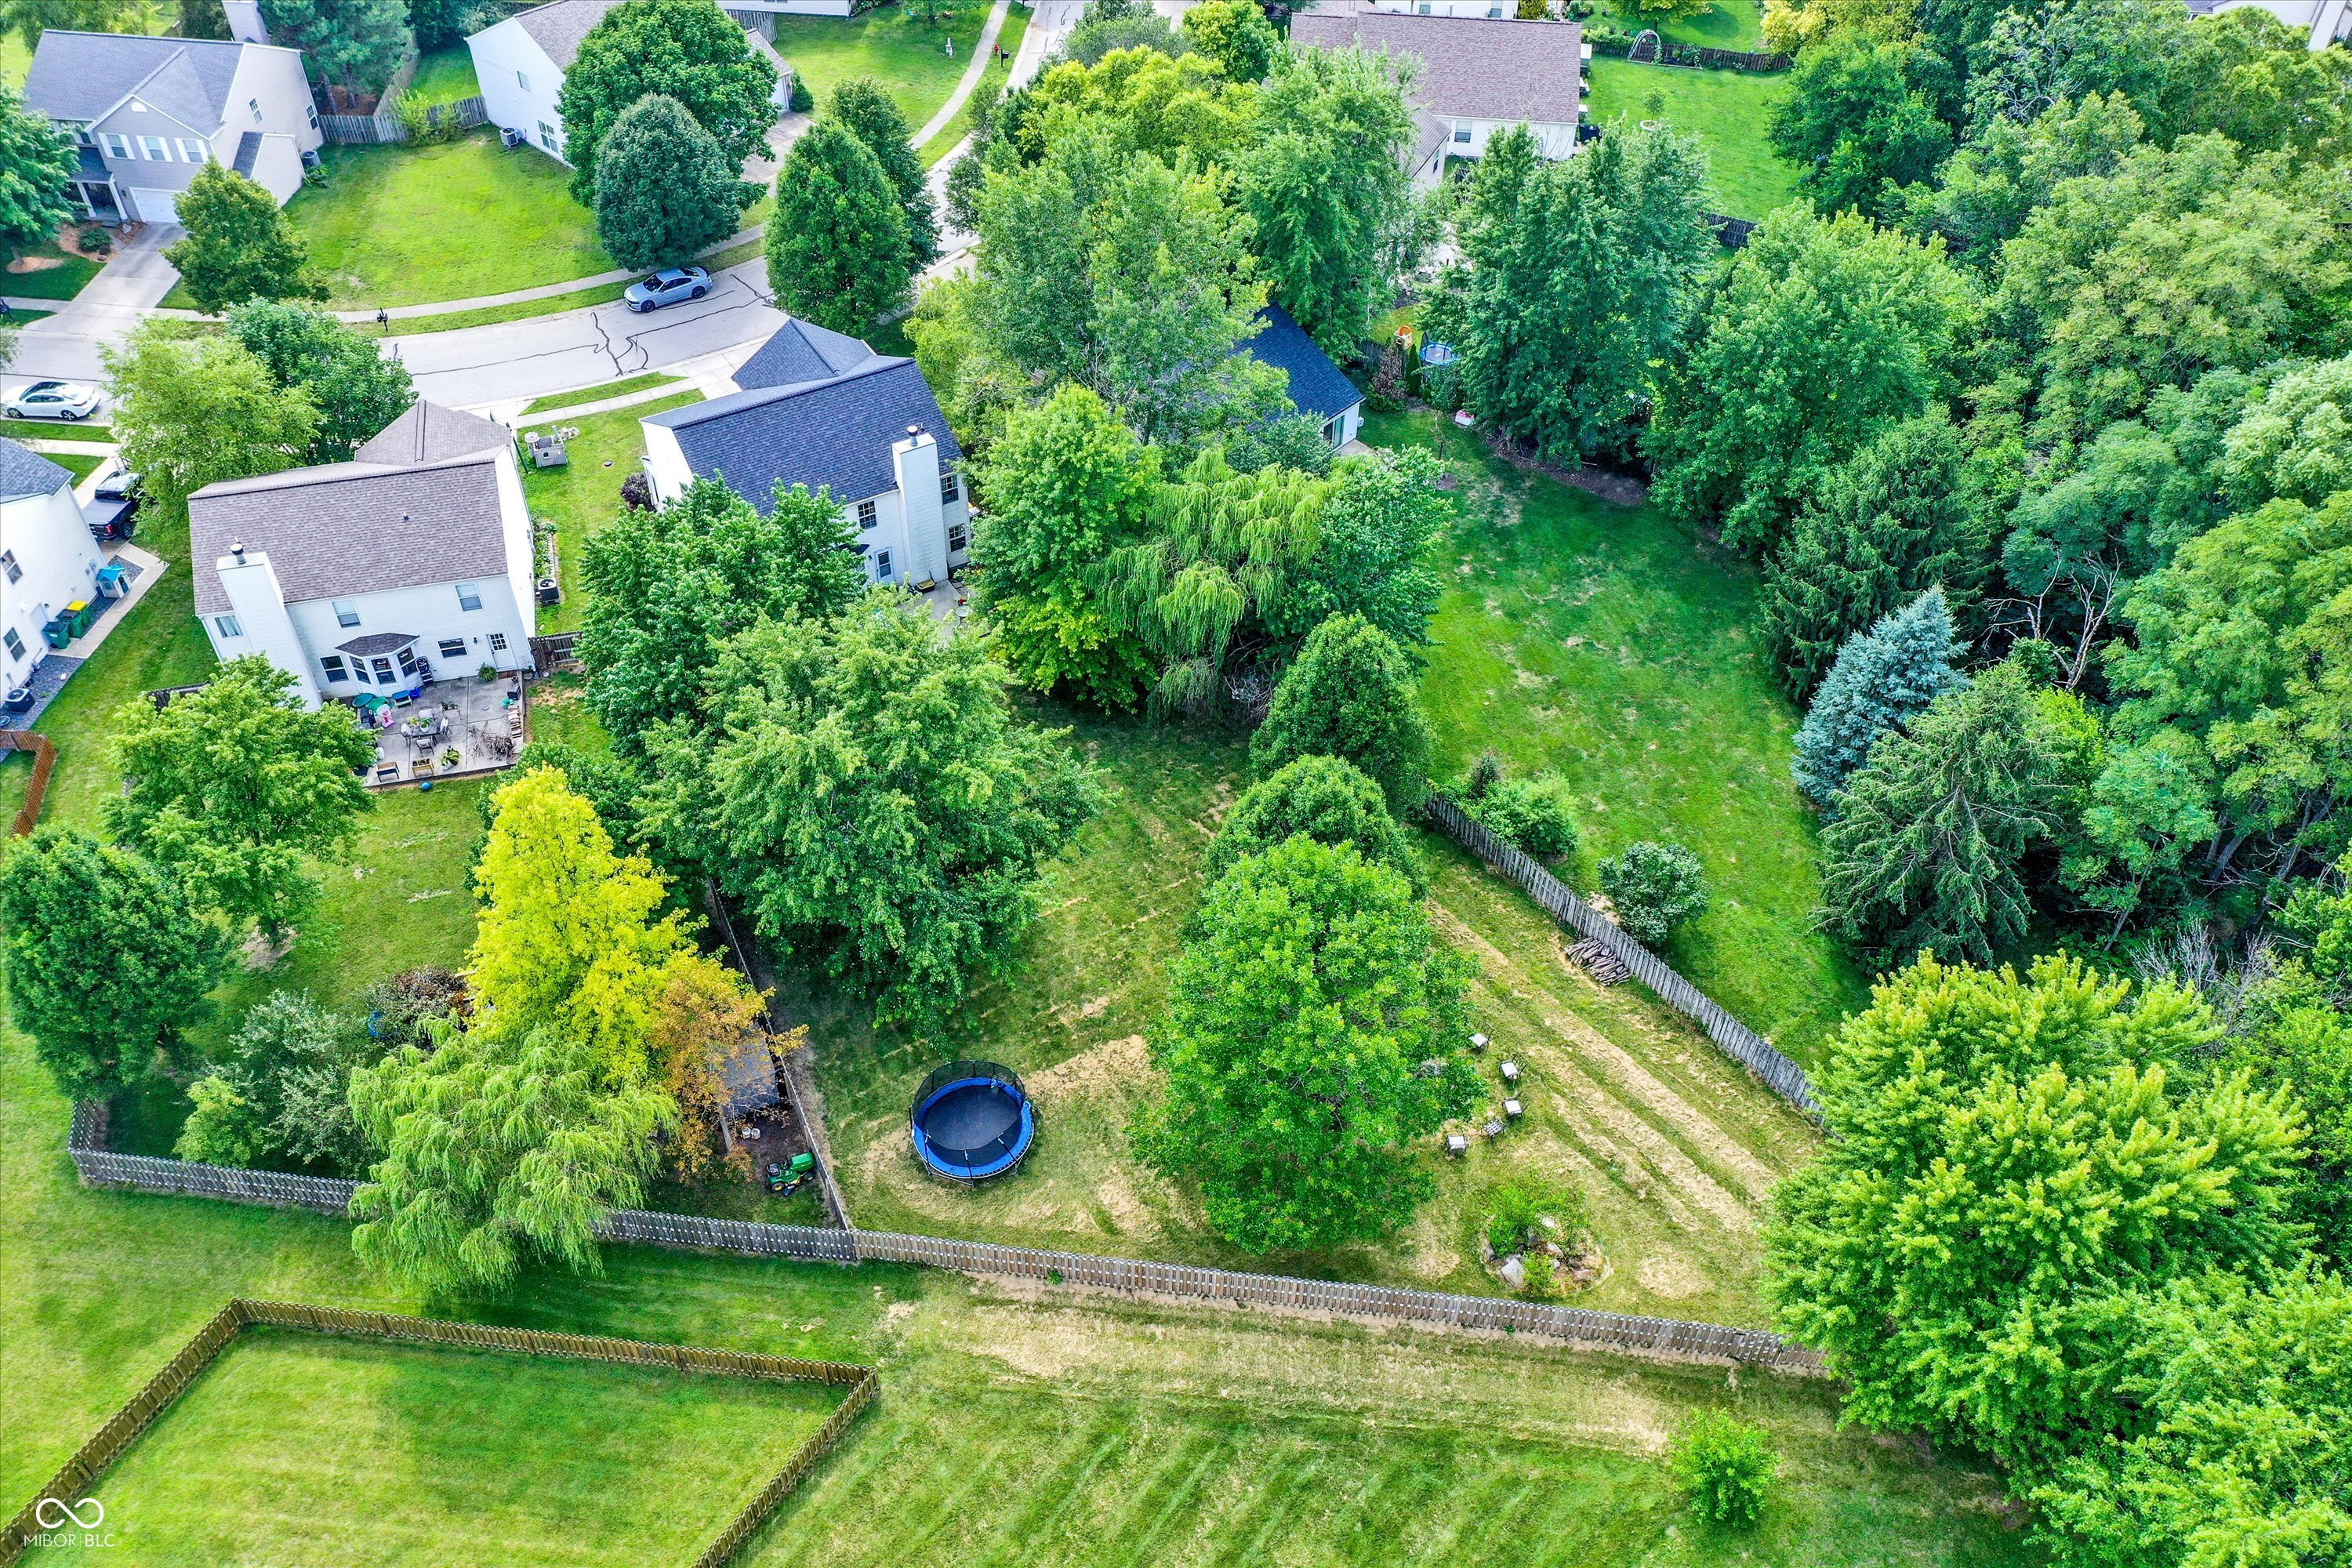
x=668 y=286
x=51 y=400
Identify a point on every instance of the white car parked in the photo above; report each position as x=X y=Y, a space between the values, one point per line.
x=51 y=400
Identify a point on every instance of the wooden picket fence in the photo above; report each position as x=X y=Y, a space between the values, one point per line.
x=1734 y=1039
x=1672 y=1338
x=74 y=1479
x=45 y=763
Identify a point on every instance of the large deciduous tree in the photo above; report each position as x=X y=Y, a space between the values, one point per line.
x=189 y=411
x=1352 y=694
x=1819 y=334
x=1855 y=125
x=837 y=246
x=864 y=788
x=1299 y=1018
x=666 y=587
x=1236 y=34
x=860 y=107
x=106 y=958
x=357 y=389
x=238 y=789
x=239 y=246
x=2017 y=1165
x=687 y=49
x=1066 y=484
x=37 y=166
x=1575 y=281
x=1327 y=799
x=664 y=192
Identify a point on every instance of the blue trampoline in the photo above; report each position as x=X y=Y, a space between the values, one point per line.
x=971 y=1122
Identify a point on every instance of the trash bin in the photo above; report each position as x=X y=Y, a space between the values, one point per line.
x=56 y=633
x=80 y=615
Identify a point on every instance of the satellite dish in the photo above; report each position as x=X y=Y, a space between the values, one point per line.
x=1437 y=353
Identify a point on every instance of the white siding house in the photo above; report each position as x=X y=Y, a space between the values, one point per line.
x=47 y=559
x=820 y=409
x=148 y=113
x=410 y=563
x=2322 y=22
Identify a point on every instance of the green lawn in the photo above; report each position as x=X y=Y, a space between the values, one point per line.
x=1727 y=111
x=1615 y=645
x=61 y=281
x=445 y=76
x=621 y=388
x=895 y=45
x=55 y=429
x=991 y=87
x=408 y=226
x=300 y=1447
x=1726 y=25
x=581 y=497
x=79 y=464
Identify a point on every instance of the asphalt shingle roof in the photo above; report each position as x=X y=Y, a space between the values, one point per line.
x=1316 y=384
x=1473 y=68
x=428 y=433
x=801 y=350
x=560 y=24
x=24 y=472
x=834 y=434
x=80 y=75
x=360 y=527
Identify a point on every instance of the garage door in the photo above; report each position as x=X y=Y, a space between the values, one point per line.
x=156 y=206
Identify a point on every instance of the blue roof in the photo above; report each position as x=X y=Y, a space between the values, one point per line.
x=1316 y=384
x=801 y=350
x=834 y=434
x=24 y=472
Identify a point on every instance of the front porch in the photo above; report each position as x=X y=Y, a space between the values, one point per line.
x=449 y=729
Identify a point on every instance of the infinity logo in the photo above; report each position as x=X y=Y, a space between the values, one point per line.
x=51 y=1513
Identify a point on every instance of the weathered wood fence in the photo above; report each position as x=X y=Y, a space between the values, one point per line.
x=1622 y=45
x=1734 y=1039
x=45 y=763
x=386 y=126
x=1669 y=1337
x=73 y=1479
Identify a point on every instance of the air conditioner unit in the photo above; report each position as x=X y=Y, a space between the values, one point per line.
x=509 y=136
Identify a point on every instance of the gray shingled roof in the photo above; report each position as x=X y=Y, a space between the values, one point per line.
x=801 y=350
x=560 y=24
x=428 y=433
x=1315 y=384
x=371 y=642
x=360 y=527
x=1473 y=68
x=834 y=434
x=24 y=472
x=80 y=75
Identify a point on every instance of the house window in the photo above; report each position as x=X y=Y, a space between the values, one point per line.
x=547 y=136
x=226 y=625
x=332 y=666
x=469 y=596
x=407 y=661
x=311 y=109
x=948 y=490
x=1462 y=133
x=191 y=151
x=881 y=566
x=522 y=81
x=453 y=648
x=358 y=671
x=116 y=146
x=383 y=671
x=955 y=539
x=16 y=644
x=1331 y=431
x=865 y=514
x=8 y=565
x=498 y=642
x=255 y=104
x=155 y=149
x=1423 y=8
x=347 y=612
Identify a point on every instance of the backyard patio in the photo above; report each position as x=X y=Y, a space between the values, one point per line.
x=450 y=727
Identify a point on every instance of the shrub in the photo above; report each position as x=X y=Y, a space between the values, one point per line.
x=637 y=493
x=1351 y=693
x=1485 y=772
x=1726 y=1465
x=1532 y=814
x=1325 y=798
x=803 y=100
x=1653 y=887
x=1515 y=1217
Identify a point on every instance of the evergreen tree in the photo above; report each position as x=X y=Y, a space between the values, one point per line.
x=1884 y=677
x=203 y=19
x=354 y=44
x=664 y=193
x=1904 y=514
x=687 y=49
x=861 y=108
x=1352 y=694
x=37 y=164
x=838 y=244
x=1927 y=850
x=239 y=245
x=1323 y=798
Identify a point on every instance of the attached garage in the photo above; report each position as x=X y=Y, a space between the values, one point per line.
x=154 y=206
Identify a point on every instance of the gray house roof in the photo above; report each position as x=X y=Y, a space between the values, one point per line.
x=80 y=75
x=1472 y=68
x=27 y=473
x=560 y=24
x=833 y=434
x=801 y=350
x=428 y=433
x=1315 y=384
x=346 y=529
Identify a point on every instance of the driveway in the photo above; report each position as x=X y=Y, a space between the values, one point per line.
x=66 y=346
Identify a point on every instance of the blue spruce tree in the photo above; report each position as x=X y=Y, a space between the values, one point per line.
x=1883 y=678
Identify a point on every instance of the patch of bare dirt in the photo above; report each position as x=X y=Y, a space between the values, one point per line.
x=1609 y=485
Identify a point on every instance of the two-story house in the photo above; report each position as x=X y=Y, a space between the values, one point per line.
x=818 y=408
x=1479 y=73
x=410 y=563
x=47 y=559
x=147 y=113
